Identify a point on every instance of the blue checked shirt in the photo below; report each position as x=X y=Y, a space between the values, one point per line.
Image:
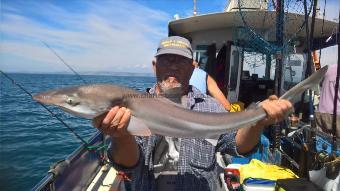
x=197 y=169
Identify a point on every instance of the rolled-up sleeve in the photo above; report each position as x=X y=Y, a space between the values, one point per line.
x=227 y=145
x=139 y=174
x=127 y=170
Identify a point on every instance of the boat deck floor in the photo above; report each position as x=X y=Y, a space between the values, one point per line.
x=105 y=180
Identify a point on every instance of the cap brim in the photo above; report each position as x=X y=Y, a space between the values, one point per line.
x=174 y=51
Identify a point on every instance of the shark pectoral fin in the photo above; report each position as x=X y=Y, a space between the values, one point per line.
x=137 y=127
x=212 y=141
x=177 y=91
x=174 y=94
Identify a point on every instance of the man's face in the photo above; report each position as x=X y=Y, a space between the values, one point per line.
x=173 y=71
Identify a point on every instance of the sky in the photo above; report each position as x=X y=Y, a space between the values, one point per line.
x=93 y=36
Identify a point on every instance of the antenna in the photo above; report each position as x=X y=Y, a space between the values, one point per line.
x=195 y=8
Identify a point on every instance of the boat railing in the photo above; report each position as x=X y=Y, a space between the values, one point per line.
x=76 y=171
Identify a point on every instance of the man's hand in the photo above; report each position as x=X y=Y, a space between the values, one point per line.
x=247 y=138
x=114 y=123
x=124 y=149
x=276 y=110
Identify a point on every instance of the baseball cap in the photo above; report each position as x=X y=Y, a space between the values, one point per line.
x=175 y=45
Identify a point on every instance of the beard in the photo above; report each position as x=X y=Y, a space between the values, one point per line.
x=169 y=83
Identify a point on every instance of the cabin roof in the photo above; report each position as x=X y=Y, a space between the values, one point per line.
x=253 y=18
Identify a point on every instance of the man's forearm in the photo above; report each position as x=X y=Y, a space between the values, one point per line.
x=125 y=150
x=248 y=138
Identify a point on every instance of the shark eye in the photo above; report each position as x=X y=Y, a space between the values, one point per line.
x=71 y=101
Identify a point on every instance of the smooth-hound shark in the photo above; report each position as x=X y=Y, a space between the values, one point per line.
x=158 y=115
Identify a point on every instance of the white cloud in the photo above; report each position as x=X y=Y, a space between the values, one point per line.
x=106 y=36
x=90 y=35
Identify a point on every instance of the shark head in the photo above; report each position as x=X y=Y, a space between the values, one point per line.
x=82 y=101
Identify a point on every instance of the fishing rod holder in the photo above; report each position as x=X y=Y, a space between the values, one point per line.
x=59 y=167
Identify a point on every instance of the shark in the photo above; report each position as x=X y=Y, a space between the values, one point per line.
x=154 y=114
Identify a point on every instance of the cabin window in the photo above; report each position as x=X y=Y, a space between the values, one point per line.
x=293 y=70
x=254 y=66
x=200 y=55
x=234 y=70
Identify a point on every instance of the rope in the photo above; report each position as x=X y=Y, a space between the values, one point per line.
x=102 y=146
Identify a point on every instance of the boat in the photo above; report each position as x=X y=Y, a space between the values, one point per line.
x=88 y=169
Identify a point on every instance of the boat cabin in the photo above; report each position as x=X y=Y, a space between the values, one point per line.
x=239 y=52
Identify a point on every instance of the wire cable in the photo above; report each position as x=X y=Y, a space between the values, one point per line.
x=60 y=58
x=44 y=106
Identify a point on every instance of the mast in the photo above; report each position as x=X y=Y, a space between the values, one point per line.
x=279 y=57
x=334 y=144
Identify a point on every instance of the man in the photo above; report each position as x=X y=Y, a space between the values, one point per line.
x=192 y=162
x=324 y=114
x=203 y=81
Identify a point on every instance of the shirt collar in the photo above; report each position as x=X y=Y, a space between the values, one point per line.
x=194 y=95
x=193 y=91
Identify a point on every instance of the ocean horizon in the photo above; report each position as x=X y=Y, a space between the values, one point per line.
x=98 y=73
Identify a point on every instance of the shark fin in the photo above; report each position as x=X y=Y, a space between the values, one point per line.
x=137 y=127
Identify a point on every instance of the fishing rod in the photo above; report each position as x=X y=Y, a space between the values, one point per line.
x=95 y=147
x=44 y=106
x=312 y=137
x=322 y=27
x=63 y=61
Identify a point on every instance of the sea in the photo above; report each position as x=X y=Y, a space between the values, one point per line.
x=30 y=138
